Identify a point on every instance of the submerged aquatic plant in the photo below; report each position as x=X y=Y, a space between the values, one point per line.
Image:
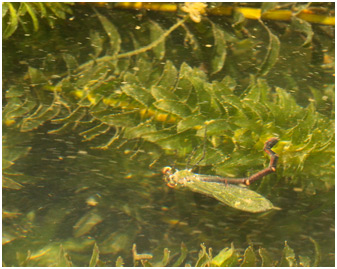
x=135 y=89
x=226 y=257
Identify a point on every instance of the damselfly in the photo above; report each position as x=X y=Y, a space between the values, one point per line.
x=227 y=190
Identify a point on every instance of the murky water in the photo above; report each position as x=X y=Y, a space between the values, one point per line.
x=63 y=195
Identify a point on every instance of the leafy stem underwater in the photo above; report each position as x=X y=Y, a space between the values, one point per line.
x=142 y=86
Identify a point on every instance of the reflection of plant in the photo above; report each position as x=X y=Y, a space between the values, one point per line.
x=14 y=13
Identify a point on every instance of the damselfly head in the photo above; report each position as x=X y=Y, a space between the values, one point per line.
x=167 y=170
x=168 y=176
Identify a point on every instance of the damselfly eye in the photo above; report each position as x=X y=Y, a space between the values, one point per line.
x=166 y=170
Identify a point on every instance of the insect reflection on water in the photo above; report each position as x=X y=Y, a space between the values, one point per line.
x=227 y=190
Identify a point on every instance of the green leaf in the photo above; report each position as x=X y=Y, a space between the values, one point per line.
x=44 y=114
x=272 y=53
x=203 y=257
x=175 y=107
x=249 y=258
x=203 y=92
x=162 y=93
x=183 y=142
x=138 y=93
x=140 y=130
x=266 y=6
x=5 y=8
x=94 y=257
x=169 y=76
x=13 y=109
x=190 y=122
x=219 y=52
x=96 y=42
x=184 y=86
x=222 y=257
x=288 y=257
x=145 y=70
x=155 y=33
x=76 y=115
x=218 y=127
x=92 y=78
x=71 y=61
x=60 y=9
x=12 y=24
x=42 y=8
x=119 y=262
x=63 y=259
x=95 y=131
x=160 y=135
x=111 y=31
x=226 y=258
x=55 y=8
x=182 y=257
x=124 y=119
x=304 y=261
x=266 y=260
x=36 y=76
x=165 y=260
x=32 y=14
x=66 y=7
x=304 y=27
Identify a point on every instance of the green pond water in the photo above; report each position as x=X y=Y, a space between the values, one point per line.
x=85 y=138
